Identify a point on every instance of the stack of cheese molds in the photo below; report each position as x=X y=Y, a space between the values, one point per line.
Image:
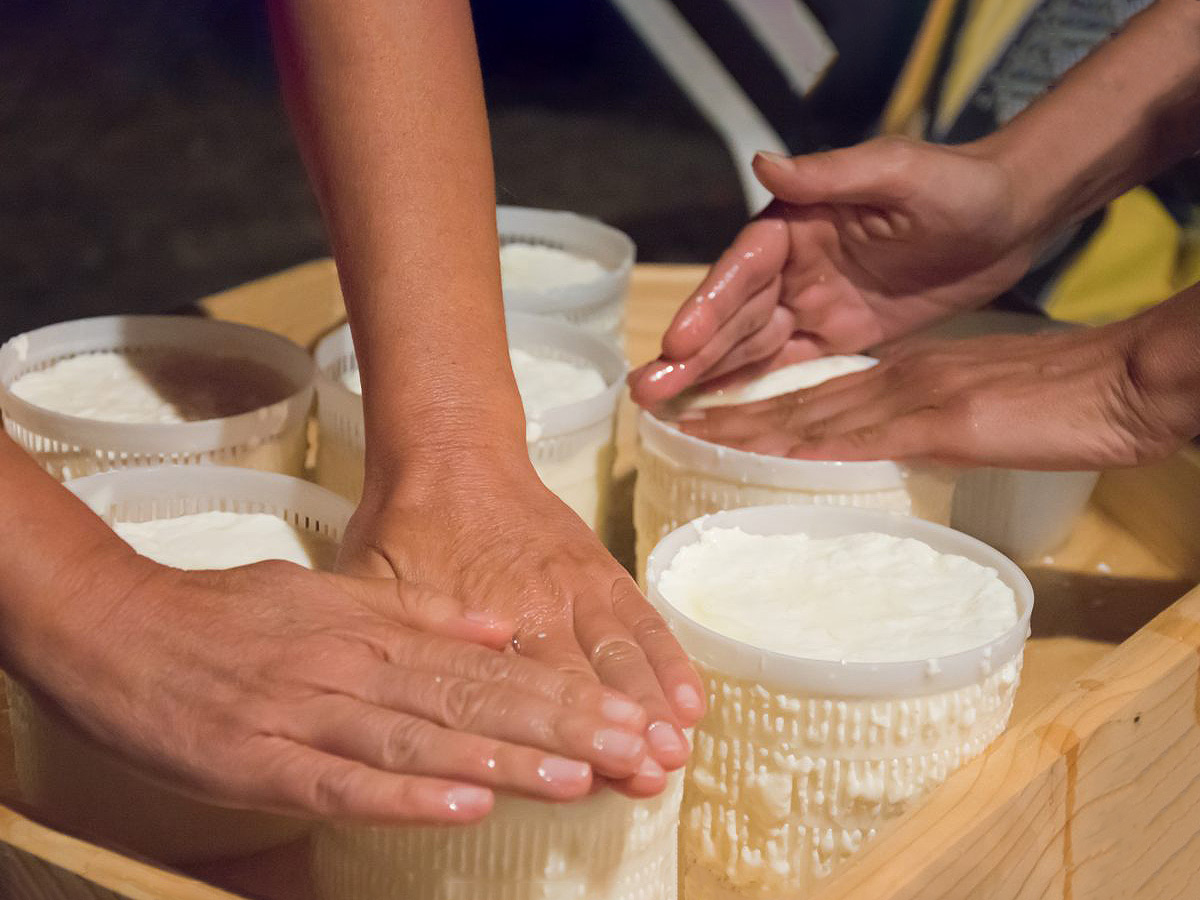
x=73 y=780
x=271 y=438
x=681 y=477
x=604 y=847
x=799 y=761
x=571 y=446
x=597 y=305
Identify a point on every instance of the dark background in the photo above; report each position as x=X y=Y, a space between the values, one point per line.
x=145 y=159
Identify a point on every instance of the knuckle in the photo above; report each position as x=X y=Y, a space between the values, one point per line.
x=616 y=652
x=404 y=744
x=460 y=704
x=328 y=791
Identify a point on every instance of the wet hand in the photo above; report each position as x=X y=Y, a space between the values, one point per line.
x=861 y=245
x=505 y=545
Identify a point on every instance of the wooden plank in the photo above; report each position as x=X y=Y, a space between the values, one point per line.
x=1008 y=821
x=1170 y=526
x=1097 y=796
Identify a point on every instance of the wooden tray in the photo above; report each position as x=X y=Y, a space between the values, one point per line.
x=1094 y=791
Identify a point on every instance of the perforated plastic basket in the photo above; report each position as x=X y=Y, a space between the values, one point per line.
x=808 y=756
x=571 y=446
x=271 y=438
x=599 y=305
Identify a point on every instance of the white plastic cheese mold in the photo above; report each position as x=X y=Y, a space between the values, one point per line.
x=605 y=847
x=272 y=438
x=571 y=446
x=680 y=477
x=597 y=305
x=87 y=788
x=799 y=761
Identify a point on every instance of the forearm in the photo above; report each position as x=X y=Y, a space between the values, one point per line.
x=387 y=102
x=54 y=552
x=1128 y=111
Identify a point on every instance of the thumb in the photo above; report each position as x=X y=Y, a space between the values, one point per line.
x=425 y=609
x=877 y=171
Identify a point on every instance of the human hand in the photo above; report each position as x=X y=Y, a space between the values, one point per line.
x=279 y=689
x=861 y=245
x=1084 y=400
x=502 y=543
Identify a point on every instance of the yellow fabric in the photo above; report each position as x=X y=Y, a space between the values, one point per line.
x=905 y=113
x=1139 y=256
x=1136 y=259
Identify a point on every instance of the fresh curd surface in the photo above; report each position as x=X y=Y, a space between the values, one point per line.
x=774 y=384
x=151 y=387
x=854 y=598
x=224 y=540
x=535 y=267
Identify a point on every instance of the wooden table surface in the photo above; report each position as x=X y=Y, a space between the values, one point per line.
x=1094 y=592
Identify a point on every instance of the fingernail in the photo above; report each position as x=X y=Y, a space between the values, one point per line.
x=619 y=743
x=485 y=618
x=666 y=739
x=691 y=415
x=469 y=801
x=650 y=769
x=620 y=710
x=777 y=159
x=688 y=699
x=559 y=771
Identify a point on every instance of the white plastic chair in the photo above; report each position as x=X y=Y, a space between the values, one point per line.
x=786 y=30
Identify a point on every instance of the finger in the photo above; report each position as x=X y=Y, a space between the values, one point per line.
x=621 y=663
x=676 y=674
x=874 y=172
x=924 y=434
x=649 y=781
x=430 y=611
x=409 y=745
x=751 y=263
x=284 y=777
x=762 y=344
x=439 y=657
x=664 y=379
x=498 y=710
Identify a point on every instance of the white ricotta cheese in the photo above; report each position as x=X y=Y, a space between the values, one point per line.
x=855 y=598
x=151 y=387
x=534 y=267
x=223 y=540
x=781 y=381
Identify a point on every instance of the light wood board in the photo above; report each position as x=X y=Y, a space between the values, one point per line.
x=1100 y=735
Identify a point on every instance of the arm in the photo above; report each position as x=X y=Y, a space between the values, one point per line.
x=869 y=243
x=363 y=699
x=386 y=99
x=1125 y=113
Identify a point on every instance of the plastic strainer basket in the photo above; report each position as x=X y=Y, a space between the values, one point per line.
x=571 y=446
x=604 y=847
x=271 y=438
x=681 y=477
x=598 y=305
x=78 y=783
x=810 y=756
